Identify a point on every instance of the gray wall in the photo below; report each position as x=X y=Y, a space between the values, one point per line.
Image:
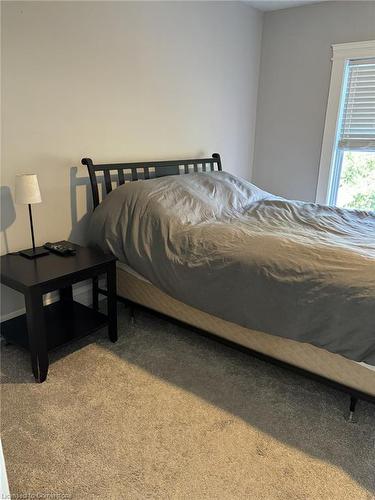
x=293 y=90
x=118 y=81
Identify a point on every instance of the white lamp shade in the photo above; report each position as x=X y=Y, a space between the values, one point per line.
x=27 y=189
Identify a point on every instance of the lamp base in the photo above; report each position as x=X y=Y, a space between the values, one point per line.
x=33 y=254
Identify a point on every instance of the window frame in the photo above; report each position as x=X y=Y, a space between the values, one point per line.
x=331 y=156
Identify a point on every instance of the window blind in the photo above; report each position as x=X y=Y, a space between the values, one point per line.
x=357 y=131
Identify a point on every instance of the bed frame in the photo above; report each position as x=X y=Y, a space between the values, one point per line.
x=206 y=324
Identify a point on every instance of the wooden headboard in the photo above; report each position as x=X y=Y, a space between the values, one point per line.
x=128 y=172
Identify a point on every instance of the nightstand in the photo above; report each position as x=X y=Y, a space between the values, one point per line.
x=45 y=327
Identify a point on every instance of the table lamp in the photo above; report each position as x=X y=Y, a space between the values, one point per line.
x=28 y=193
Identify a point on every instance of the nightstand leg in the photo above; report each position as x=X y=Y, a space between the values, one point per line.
x=112 y=302
x=37 y=335
x=95 y=293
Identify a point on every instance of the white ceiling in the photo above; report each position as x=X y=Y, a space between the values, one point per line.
x=279 y=4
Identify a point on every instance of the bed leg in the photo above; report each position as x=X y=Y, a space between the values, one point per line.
x=353 y=403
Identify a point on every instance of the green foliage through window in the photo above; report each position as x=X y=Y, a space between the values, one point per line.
x=357 y=181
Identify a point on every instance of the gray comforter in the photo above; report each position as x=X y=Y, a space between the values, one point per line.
x=214 y=241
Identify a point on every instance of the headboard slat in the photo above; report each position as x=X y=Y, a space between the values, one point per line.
x=160 y=169
x=107 y=180
x=121 y=177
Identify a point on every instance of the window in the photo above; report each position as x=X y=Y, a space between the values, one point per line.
x=347 y=166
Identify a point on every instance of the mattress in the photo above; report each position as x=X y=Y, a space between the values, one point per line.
x=359 y=376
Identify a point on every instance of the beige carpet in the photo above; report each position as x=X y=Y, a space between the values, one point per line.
x=168 y=414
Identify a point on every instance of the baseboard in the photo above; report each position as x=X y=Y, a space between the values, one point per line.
x=11 y=315
x=81 y=293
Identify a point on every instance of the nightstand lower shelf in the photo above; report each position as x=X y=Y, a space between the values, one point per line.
x=64 y=321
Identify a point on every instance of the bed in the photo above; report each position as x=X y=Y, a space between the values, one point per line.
x=249 y=218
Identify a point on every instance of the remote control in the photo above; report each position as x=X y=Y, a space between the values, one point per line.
x=63 y=248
